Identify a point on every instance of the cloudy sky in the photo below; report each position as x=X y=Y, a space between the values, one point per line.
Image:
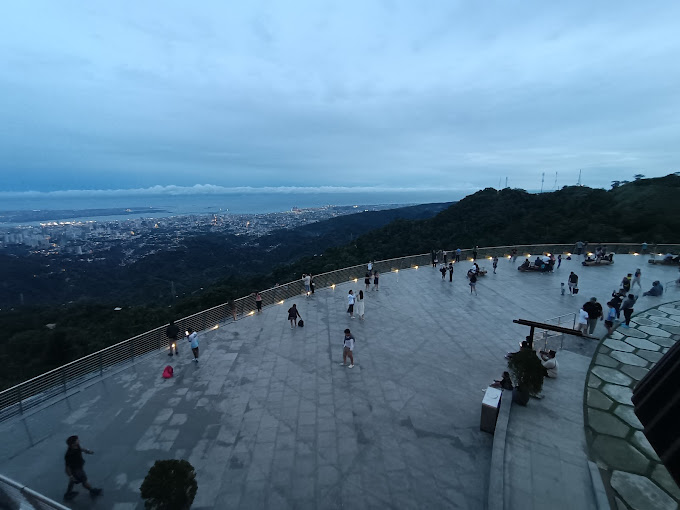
x=129 y=94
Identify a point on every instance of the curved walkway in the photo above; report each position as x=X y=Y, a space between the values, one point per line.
x=269 y=419
x=632 y=469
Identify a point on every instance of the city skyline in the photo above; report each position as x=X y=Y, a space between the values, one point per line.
x=163 y=98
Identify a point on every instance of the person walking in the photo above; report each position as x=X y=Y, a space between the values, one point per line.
x=458 y=252
x=637 y=279
x=559 y=260
x=347 y=349
x=582 y=325
x=367 y=280
x=473 y=283
x=572 y=282
x=192 y=338
x=74 y=462
x=451 y=271
x=376 y=280
x=172 y=332
x=627 y=307
x=594 y=310
x=258 y=302
x=350 y=304
x=442 y=270
x=360 y=305
x=293 y=315
x=495 y=264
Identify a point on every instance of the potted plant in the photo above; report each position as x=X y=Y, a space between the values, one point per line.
x=527 y=373
x=169 y=485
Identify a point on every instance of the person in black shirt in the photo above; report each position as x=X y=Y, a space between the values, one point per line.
x=171 y=332
x=594 y=310
x=74 y=468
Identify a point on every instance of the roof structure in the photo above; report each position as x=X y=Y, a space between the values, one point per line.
x=270 y=419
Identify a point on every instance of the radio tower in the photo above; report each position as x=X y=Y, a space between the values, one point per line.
x=579 y=178
x=506 y=182
x=555 y=187
x=542 y=180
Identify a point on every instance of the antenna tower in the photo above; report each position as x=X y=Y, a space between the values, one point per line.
x=542 y=180
x=555 y=187
x=506 y=182
x=579 y=178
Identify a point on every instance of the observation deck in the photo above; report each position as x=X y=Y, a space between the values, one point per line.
x=270 y=420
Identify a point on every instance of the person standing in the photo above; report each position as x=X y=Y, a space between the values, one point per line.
x=637 y=279
x=514 y=255
x=307 y=279
x=474 y=253
x=350 y=304
x=458 y=252
x=559 y=260
x=192 y=338
x=74 y=462
x=311 y=283
x=579 y=247
x=627 y=307
x=451 y=271
x=360 y=305
x=444 y=255
x=376 y=280
x=611 y=315
x=367 y=280
x=434 y=258
x=473 y=283
x=594 y=310
x=347 y=349
x=442 y=270
x=172 y=332
x=258 y=302
x=293 y=315
x=370 y=266
x=495 y=264
x=572 y=282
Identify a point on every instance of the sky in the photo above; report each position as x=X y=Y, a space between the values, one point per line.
x=336 y=94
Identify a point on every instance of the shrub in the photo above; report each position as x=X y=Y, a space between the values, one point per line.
x=527 y=371
x=169 y=485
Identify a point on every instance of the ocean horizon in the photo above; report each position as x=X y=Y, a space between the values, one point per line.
x=182 y=203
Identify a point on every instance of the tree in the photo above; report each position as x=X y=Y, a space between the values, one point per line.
x=169 y=485
x=616 y=184
x=637 y=177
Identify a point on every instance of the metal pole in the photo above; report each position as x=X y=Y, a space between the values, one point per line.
x=101 y=365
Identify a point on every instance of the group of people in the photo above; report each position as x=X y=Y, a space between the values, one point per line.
x=542 y=263
x=172 y=334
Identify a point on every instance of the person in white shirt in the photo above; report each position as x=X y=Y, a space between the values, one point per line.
x=582 y=321
x=307 y=279
x=549 y=364
x=350 y=304
x=192 y=338
x=347 y=348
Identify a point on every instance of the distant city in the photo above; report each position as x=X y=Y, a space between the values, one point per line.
x=90 y=240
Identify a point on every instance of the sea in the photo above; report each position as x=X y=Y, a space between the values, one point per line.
x=117 y=207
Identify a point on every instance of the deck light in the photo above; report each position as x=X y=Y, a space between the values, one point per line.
x=415 y=267
x=509 y=257
x=281 y=302
x=590 y=254
x=332 y=286
x=636 y=254
x=215 y=327
x=568 y=254
x=252 y=312
x=355 y=280
x=396 y=270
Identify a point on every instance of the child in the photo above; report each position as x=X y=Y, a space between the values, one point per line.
x=562 y=288
x=347 y=348
x=442 y=270
x=611 y=315
x=192 y=338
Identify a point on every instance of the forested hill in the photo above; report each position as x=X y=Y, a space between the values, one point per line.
x=643 y=210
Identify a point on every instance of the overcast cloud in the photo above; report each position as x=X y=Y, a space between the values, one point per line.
x=130 y=95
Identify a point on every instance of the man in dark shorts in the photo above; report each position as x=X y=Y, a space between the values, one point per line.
x=74 y=468
x=171 y=332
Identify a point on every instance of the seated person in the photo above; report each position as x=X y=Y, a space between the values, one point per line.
x=538 y=262
x=526 y=264
x=589 y=259
x=656 y=290
x=505 y=383
x=549 y=364
x=610 y=257
x=625 y=283
x=668 y=257
x=524 y=345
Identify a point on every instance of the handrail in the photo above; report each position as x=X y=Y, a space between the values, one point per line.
x=23 y=497
x=28 y=394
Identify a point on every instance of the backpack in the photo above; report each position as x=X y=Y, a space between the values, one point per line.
x=167 y=373
x=301 y=323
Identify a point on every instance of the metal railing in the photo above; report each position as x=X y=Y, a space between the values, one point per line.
x=15 y=495
x=61 y=381
x=566 y=321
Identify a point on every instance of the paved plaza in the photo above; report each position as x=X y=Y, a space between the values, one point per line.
x=270 y=420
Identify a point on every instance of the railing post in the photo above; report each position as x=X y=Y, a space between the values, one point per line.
x=101 y=365
x=63 y=379
x=20 y=399
x=132 y=349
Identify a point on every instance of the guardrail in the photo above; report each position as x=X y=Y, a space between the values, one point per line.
x=15 y=495
x=60 y=381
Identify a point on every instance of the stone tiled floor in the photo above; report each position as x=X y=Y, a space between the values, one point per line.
x=270 y=420
x=631 y=466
